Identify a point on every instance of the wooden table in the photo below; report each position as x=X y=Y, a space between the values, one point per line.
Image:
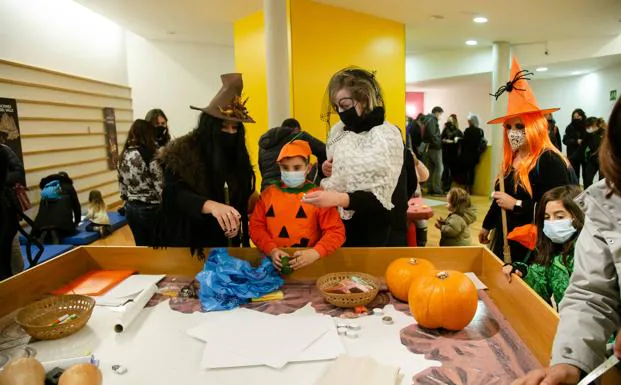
x=528 y=315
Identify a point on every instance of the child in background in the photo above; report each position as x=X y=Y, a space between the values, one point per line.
x=559 y=221
x=97 y=214
x=281 y=220
x=456 y=227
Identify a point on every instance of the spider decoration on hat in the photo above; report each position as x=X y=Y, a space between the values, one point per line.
x=510 y=86
x=237 y=109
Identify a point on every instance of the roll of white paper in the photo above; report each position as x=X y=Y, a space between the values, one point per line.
x=68 y=362
x=133 y=308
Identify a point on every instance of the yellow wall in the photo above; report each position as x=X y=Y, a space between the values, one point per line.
x=250 y=61
x=325 y=39
x=482 y=175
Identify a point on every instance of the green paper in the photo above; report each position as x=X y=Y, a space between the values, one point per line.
x=286 y=268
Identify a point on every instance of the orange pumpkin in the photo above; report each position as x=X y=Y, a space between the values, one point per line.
x=446 y=299
x=402 y=271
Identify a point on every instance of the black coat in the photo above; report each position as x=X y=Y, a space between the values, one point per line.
x=591 y=144
x=431 y=132
x=551 y=172
x=574 y=131
x=555 y=137
x=63 y=214
x=16 y=173
x=273 y=141
x=8 y=216
x=406 y=187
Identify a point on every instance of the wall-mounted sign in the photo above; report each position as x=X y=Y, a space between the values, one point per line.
x=111 y=144
x=613 y=95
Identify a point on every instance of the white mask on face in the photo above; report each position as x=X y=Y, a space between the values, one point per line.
x=517 y=138
x=591 y=129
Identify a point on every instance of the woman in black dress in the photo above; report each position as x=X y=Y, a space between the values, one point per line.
x=208 y=178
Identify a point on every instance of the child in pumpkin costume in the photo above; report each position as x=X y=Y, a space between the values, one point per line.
x=559 y=221
x=281 y=220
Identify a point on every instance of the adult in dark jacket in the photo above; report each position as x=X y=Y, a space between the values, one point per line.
x=58 y=218
x=415 y=131
x=273 y=141
x=406 y=187
x=433 y=155
x=472 y=146
x=208 y=178
x=594 y=132
x=554 y=133
x=365 y=159
x=16 y=173
x=8 y=216
x=451 y=137
x=574 y=135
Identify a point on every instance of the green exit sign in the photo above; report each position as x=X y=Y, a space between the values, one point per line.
x=613 y=95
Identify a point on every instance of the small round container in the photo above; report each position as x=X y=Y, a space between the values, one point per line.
x=387 y=320
x=352 y=334
x=353 y=326
x=342 y=331
x=378 y=311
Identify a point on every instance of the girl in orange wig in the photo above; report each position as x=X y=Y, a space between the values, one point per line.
x=531 y=164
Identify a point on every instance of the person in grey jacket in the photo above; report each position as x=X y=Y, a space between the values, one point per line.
x=273 y=141
x=433 y=143
x=590 y=312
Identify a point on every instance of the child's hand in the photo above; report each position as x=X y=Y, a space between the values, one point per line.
x=304 y=258
x=276 y=256
x=439 y=223
x=508 y=270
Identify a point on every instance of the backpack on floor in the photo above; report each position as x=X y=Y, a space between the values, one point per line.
x=51 y=191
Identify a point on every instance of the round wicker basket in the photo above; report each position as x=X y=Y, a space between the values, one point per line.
x=39 y=319
x=350 y=299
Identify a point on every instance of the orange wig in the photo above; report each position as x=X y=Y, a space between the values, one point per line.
x=537 y=140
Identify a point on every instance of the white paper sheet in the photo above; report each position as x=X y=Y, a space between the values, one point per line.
x=360 y=371
x=271 y=341
x=477 y=282
x=133 y=285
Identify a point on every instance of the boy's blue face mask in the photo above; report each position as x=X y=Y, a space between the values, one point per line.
x=293 y=179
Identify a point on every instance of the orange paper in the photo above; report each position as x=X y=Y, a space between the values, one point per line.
x=95 y=283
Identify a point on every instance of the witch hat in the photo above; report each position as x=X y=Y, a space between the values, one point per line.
x=521 y=98
x=227 y=104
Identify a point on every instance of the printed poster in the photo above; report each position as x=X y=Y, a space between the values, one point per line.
x=9 y=128
x=111 y=143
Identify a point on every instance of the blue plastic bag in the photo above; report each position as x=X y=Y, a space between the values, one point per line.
x=227 y=282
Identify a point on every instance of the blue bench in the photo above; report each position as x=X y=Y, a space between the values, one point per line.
x=49 y=252
x=83 y=237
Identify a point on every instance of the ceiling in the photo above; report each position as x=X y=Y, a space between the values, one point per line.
x=519 y=22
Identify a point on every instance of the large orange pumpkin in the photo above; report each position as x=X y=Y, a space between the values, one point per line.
x=402 y=271
x=445 y=299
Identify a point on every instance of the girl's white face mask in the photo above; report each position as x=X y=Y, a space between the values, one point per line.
x=517 y=138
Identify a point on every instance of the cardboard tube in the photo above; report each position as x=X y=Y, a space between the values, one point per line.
x=69 y=362
x=133 y=308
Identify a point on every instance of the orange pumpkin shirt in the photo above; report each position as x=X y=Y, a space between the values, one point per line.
x=281 y=220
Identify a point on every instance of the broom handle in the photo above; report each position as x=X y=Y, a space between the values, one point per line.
x=503 y=214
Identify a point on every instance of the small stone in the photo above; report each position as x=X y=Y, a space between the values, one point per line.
x=352 y=334
x=353 y=326
x=118 y=369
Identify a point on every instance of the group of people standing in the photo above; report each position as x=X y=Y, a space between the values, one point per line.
x=450 y=154
x=583 y=137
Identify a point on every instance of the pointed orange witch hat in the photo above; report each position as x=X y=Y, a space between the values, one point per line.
x=521 y=97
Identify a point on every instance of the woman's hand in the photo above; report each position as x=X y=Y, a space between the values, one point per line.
x=324 y=199
x=484 y=236
x=227 y=217
x=326 y=167
x=304 y=258
x=561 y=374
x=276 y=256
x=504 y=200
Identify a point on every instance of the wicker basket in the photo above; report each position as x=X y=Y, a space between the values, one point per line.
x=349 y=299
x=37 y=318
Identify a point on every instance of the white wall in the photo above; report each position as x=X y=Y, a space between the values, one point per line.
x=590 y=92
x=471 y=94
x=64 y=36
x=172 y=76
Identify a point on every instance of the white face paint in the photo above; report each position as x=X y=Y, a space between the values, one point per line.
x=517 y=138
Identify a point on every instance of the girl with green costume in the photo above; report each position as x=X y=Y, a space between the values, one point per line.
x=559 y=220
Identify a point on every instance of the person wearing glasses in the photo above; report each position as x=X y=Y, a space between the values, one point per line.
x=365 y=161
x=531 y=165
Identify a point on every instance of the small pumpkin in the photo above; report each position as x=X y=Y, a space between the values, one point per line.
x=81 y=374
x=23 y=371
x=402 y=271
x=445 y=299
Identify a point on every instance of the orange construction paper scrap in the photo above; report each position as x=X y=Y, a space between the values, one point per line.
x=94 y=283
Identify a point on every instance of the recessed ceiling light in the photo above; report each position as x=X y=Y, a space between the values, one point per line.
x=542 y=69
x=437 y=17
x=480 y=19
x=471 y=42
x=576 y=72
